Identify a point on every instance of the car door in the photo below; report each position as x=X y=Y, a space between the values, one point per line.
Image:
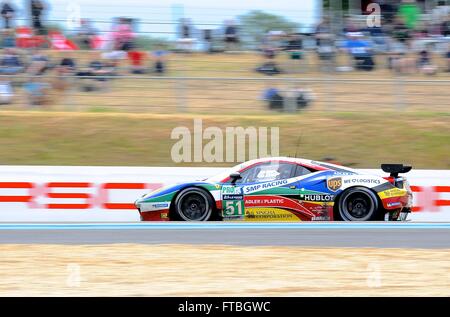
x=258 y=194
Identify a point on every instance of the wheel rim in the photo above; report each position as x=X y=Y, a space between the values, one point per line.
x=357 y=206
x=193 y=206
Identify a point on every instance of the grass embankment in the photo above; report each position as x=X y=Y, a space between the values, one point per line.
x=365 y=139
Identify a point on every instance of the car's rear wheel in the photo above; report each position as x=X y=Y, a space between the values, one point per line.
x=358 y=204
x=193 y=204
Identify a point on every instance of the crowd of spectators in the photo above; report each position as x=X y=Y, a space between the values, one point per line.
x=408 y=40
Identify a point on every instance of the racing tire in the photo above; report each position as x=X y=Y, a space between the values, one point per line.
x=358 y=204
x=193 y=204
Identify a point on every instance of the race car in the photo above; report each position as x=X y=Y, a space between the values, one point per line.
x=284 y=189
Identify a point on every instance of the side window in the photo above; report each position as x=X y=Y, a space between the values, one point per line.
x=301 y=170
x=268 y=172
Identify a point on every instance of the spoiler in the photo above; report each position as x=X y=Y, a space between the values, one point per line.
x=395 y=169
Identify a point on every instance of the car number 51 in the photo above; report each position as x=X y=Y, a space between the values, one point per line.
x=234 y=208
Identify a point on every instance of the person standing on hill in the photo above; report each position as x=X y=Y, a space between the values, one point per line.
x=410 y=12
x=7 y=13
x=37 y=8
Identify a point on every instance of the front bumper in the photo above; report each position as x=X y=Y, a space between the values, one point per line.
x=160 y=215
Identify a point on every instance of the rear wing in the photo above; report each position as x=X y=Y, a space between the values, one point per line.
x=395 y=169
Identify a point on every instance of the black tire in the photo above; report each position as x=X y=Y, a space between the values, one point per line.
x=358 y=204
x=193 y=204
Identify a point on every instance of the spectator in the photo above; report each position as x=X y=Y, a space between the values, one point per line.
x=65 y=70
x=400 y=31
x=294 y=46
x=6 y=92
x=424 y=64
x=296 y=98
x=185 y=38
x=268 y=48
x=445 y=27
x=113 y=60
x=85 y=34
x=325 y=45
x=7 y=12
x=447 y=57
x=361 y=51
x=37 y=8
x=409 y=11
x=350 y=25
x=37 y=91
x=8 y=38
x=388 y=11
x=159 y=57
x=271 y=44
x=97 y=76
x=273 y=98
x=231 y=37
x=123 y=35
x=67 y=65
x=39 y=63
x=208 y=41
x=440 y=12
x=137 y=60
x=398 y=59
x=10 y=63
x=291 y=99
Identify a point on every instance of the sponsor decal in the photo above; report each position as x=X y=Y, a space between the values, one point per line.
x=232 y=197
x=269 y=214
x=164 y=215
x=233 y=208
x=394 y=204
x=231 y=190
x=265 y=201
x=334 y=183
x=321 y=218
x=362 y=180
x=160 y=205
x=232 y=193
x=264 y=186
x=317 y=197
x=394 y=192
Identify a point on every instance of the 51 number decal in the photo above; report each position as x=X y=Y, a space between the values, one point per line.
x=233 y=208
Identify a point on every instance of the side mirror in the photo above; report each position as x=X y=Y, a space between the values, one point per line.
x=234 y=177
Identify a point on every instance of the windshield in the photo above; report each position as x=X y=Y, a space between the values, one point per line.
x=221 y=176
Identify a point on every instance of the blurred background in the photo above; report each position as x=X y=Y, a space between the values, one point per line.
x=104 y=82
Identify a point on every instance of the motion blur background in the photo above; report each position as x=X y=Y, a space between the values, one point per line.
x=89 y=83
x=104 y=83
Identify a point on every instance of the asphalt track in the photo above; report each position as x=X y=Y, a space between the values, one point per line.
x=384 y=235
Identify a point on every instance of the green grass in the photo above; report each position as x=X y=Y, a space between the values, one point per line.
x=103 y=138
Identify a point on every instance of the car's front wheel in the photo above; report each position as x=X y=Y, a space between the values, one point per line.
x=193 y=204
x=358 y=204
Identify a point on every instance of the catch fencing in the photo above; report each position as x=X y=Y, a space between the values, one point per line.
x=234 y=95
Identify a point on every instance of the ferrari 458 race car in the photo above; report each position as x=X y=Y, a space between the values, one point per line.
x=284 y=189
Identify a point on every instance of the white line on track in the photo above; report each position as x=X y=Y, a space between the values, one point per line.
x=217 y=225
